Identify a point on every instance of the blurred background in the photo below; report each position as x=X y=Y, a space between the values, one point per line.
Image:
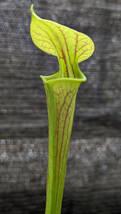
x=93 y=181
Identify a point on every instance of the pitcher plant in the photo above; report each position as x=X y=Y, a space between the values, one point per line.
x=70 y=47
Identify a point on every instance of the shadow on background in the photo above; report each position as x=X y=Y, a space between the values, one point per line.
x=87 y=201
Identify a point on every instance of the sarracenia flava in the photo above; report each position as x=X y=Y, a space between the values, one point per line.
x=71 y=47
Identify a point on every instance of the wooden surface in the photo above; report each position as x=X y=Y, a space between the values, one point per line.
x=93 y=183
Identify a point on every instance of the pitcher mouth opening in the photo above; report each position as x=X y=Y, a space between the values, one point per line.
x=55 y=77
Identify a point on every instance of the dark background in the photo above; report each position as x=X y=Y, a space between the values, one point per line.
x=93 y=182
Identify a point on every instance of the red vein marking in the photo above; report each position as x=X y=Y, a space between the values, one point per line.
x=65 y=124
x=59 y=42
x=62 y=140
x=39 y=34
x=67 y=134
x=58 y=118
x=57 y=132
x=65 y=152
x=77 y=35
x=66 y=47
x=62 y=146
x=64 y=57
x=67 y=143
x=82 y=47
x=49 y=38
x=48 y=48
x=82 y=40
x=73 y=38
x=67 y=137
x=41 y=40
x=61 y=108
x=83 y=53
